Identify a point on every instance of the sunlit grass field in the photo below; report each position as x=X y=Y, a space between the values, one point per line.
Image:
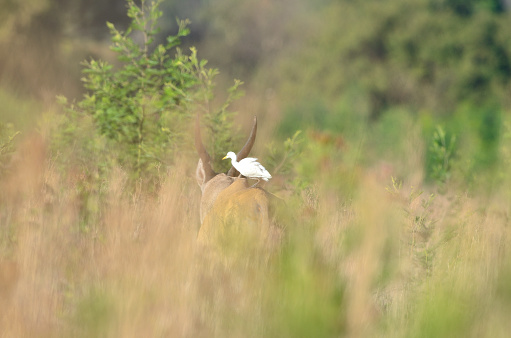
x=362 y=254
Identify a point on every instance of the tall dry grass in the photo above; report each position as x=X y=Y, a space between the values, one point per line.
x=134 y=269
x=390 y=262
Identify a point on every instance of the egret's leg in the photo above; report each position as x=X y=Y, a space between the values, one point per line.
x=258 y=180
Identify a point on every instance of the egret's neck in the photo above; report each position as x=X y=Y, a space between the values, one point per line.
x=234 y=162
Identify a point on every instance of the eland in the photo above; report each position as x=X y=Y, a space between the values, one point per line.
x=229 y=208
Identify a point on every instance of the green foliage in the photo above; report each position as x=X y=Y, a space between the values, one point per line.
x=142 y=107
x=308 y=298
x=489 y=132
x=440 y=155
x=7 y=136
x=467 y=7
x=281 y=159
x=506 y=155
x=94 y=313
x=394 y=138
x=423 y=55
x=447 y=314
x=306 y=114
x=220 y=124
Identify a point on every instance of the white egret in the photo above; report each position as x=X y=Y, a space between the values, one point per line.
x=249 y=167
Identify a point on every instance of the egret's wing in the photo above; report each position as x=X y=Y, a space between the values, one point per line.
x=248 y=160
x=255 y=169
x=248 y=169
x=263 y=172
x=247 y=166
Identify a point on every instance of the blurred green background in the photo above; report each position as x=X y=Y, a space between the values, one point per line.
x=361 y=70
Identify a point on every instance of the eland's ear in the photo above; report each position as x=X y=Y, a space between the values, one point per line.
x=200 y=175
x=204 y=165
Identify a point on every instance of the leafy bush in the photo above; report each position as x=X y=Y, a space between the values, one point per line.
x=441 y=152
x=142 y=108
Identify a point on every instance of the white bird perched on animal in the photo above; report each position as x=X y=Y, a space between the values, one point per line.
x=249 y=167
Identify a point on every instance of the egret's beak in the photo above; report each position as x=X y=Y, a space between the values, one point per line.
x=224 y=157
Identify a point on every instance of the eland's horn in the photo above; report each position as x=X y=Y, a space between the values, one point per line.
x=246 y=148
x=203 y=154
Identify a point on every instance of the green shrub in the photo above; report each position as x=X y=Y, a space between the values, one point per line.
x=142 y=107
x=440 y=154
